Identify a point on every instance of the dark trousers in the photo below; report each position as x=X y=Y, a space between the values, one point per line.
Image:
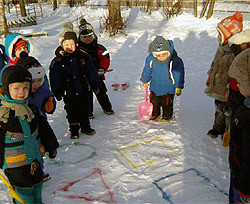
x=234 y=196
x=166 y=102
x=77 y=109
x=222 y=116
x=102 y=98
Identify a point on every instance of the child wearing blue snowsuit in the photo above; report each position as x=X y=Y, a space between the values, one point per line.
x=24 y=136
x=164 y=70
x=3 y=57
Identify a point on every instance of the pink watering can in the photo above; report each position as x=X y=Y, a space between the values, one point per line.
x=145 y=108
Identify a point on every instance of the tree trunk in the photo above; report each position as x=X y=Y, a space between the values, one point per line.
x=114 y=16
x=210 y=9
x=54 y=5
x=195 y=8
x=3 y=23
x=7 y=6
x=22 y=8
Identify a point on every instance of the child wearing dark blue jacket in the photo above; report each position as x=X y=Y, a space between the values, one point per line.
x=71 y=78
x=164 y=70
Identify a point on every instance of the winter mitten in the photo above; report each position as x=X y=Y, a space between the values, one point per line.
x=208 y=81
x=49 y=105
x=145 y=84
x=178 y=91
x=226 y=138
x=53 y=154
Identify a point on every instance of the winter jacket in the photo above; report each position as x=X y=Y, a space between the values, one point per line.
x=99 y=54
x=3 y=57
x=40 y=97
x=69 y=75
x=218 y=73
x=239 y=151
x=164 y=77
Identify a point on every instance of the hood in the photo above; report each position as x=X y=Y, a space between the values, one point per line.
x=10 y=41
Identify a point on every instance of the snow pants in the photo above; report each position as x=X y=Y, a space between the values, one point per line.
x=234 y=196
x=222 y=116
x=30 y=195
x=77 y=109
x=102 y=98
x=166 y=102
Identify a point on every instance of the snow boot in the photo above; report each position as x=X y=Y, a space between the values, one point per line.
x=89 y=131
x=214 y=133
x=154 y=119
x=46 y=177
x=109 y=112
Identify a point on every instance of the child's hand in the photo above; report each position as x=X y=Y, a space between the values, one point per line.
x=49 y=105
x=178 y=91
x=145 y=84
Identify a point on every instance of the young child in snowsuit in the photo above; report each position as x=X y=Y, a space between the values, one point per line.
x=239 y=147
x=88 y=43
x=68 y=79
x=238 y=43
x=41 y=97
x=24 y=136
x=15 y=44
x=218 y=79
x=3 y=57
x=164 y=70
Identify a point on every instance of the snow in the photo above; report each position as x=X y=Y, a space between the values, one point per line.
x=127 y=154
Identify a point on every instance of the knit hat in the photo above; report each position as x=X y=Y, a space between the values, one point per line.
x=19 y=44
x=229 y=26
x=34 y=67
x=68 y=33
x=240 y=70
x=13 y=74
x=85 y=28
x=159 y=45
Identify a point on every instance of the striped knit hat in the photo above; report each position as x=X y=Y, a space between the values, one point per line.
x=229 y=26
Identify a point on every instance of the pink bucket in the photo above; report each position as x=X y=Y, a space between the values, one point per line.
x=145 y=108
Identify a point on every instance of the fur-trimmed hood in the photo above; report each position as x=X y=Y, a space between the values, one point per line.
x=11 y=40
x=239 y=38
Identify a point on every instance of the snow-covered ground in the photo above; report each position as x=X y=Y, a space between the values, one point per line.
x=128 y=156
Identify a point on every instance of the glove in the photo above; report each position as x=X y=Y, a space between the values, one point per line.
x=49 y=105
x=101 y=72
x=53 y=154
x=145 y=84
x=59 y=97
x=96 y=90
x=178 y=91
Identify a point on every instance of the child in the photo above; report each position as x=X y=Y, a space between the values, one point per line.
x=24 y=135
x=68 y=79
x=15 y=44
x=41 y=97
x=3 y=57
x=218 y=73
x=88 y=43
x=165 y=72
x=239 y=147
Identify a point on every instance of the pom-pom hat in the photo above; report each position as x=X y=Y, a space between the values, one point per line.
x=229 y=26
x=85 y=28
x=68 y=33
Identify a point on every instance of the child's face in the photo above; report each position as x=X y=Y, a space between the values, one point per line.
x=242 y=90
x=162 y=57
x=87 y=39
x=19 y=90
x=69 y=46
x=19 y=50
x=36 y=83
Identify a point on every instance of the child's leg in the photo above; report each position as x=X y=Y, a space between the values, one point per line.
x=220 y=118
x=103 y=98
x=26 y=194
x=37 y=191
x=167 y=106
x=155 y=100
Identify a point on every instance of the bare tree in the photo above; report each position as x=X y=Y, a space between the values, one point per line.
x=22 y=8
x=54 y=5
x=3 y=22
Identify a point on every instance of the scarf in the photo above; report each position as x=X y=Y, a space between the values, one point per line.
x=21 y=110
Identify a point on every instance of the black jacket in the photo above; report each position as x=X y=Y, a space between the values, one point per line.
x=239 y=153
